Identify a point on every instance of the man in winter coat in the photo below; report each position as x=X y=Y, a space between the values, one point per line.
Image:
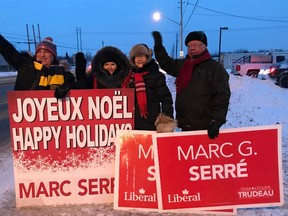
x=202 y=85
x=40 y=72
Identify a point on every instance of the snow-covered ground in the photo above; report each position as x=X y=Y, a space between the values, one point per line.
x=253 y=102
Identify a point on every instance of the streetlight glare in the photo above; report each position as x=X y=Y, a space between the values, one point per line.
x=157 y=16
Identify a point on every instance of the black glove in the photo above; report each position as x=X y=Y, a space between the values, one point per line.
x=157 y=38
x=61 y=91
x=213 y=129
x=80 y=70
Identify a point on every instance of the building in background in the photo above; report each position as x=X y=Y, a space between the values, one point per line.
x=4 y=66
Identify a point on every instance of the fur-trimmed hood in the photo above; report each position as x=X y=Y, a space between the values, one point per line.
x=103 y=77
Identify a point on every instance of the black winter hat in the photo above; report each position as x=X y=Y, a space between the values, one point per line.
x=109 y=57
x=196 y=35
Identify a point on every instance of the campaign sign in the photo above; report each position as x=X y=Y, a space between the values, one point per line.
x=64 y=150
x=135 y=183
x=241 y=168
x=135 y=177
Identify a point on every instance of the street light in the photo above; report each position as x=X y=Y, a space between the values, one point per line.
x=220 y=38
x=157 y=16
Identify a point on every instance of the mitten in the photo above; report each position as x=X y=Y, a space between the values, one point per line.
x=80 y=70
x=213 y=129
x=157 y=38
x=61 y=91
x=165 y=123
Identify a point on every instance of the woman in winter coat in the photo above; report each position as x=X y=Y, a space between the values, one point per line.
x=153 y=98
x=39 y=72
x=109 y=68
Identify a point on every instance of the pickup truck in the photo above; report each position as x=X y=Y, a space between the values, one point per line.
x=251 y=65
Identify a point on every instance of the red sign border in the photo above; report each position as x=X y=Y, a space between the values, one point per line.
x=278 y=127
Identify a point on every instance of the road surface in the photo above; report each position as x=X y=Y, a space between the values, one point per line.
x=6 y=84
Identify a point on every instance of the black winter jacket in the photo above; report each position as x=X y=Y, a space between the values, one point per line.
x=159 y=98
x=31 y=74
x=205 y=98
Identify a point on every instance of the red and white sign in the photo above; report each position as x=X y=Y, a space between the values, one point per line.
x=241 y=168
x=64 y=150
x=135 y=177
x=135 y=180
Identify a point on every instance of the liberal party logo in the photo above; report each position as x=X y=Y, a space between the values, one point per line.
x=140 y=196
x=184 y=196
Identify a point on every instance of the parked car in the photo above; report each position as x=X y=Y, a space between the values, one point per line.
x=277 y=69
x=282 y=79
x=265 y=71
x=252 y=64
x=273 y=70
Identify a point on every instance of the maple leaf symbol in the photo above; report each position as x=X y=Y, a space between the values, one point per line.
x=141 y=191
x=185 y=192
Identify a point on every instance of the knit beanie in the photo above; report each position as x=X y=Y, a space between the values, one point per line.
x=47 y=44
x=196 y=35
x=140 y=49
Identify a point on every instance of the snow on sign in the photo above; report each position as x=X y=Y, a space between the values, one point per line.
x=241 y=168
x=64 y=150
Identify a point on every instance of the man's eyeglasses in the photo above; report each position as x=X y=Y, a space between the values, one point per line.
x=195 y=45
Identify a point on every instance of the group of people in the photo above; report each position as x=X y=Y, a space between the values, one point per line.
x=202 y=84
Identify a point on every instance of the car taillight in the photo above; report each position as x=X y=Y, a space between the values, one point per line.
x=272 y=69
x=238 y=67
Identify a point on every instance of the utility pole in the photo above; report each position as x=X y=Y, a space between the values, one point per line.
x=220 y=40
x=80 y=39
x=181 y=30
x=35 y=43
x=77 y=39
x=38 y=27
x=28 y=38
x=176 y=48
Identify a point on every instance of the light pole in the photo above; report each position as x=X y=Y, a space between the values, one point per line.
x=220 y=38
x=181 y=31
x=157 y=16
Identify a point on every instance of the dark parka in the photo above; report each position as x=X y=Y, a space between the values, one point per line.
x=30 y=73
x=205 y=98
x=103 y=78
x=159 y=98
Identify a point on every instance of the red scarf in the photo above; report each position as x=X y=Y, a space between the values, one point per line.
x=140 y=91
x=186 y=71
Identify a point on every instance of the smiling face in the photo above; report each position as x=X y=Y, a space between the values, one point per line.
x=45 y=57
x=140 y=60
x=110 y=67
